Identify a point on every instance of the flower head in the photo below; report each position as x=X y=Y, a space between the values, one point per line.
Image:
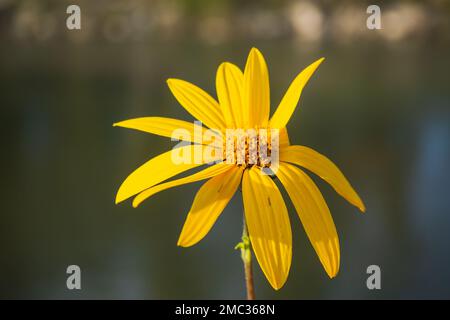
x=244 y=104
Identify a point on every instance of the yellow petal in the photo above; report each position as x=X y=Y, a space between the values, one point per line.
x=314 y=215
x=268 y=225
x=198 y=103
x=324 y=168
x=290 y=100
x=209 y=172
x=157 y=170
x=229 y=87
x=208 y=204
x=256 y=89
x=166 y=127
x=284 y=138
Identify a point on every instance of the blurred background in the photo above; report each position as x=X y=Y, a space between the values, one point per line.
x=379 y=107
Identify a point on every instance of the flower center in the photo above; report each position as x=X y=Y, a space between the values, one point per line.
x=251 y=147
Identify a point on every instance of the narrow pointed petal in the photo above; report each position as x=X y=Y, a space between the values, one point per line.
x=268 y=226
x=229 y=87
x=198 y=103
x=290 y=100
x=208 y=204
x=165 y=127
x=314 y=215
x=209 y=172
x=256 y=89
x=157 y=170
x=324 y=168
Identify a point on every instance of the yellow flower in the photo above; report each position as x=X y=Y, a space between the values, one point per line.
x=244 y=102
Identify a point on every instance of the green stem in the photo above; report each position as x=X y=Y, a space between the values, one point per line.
x=246 y=256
